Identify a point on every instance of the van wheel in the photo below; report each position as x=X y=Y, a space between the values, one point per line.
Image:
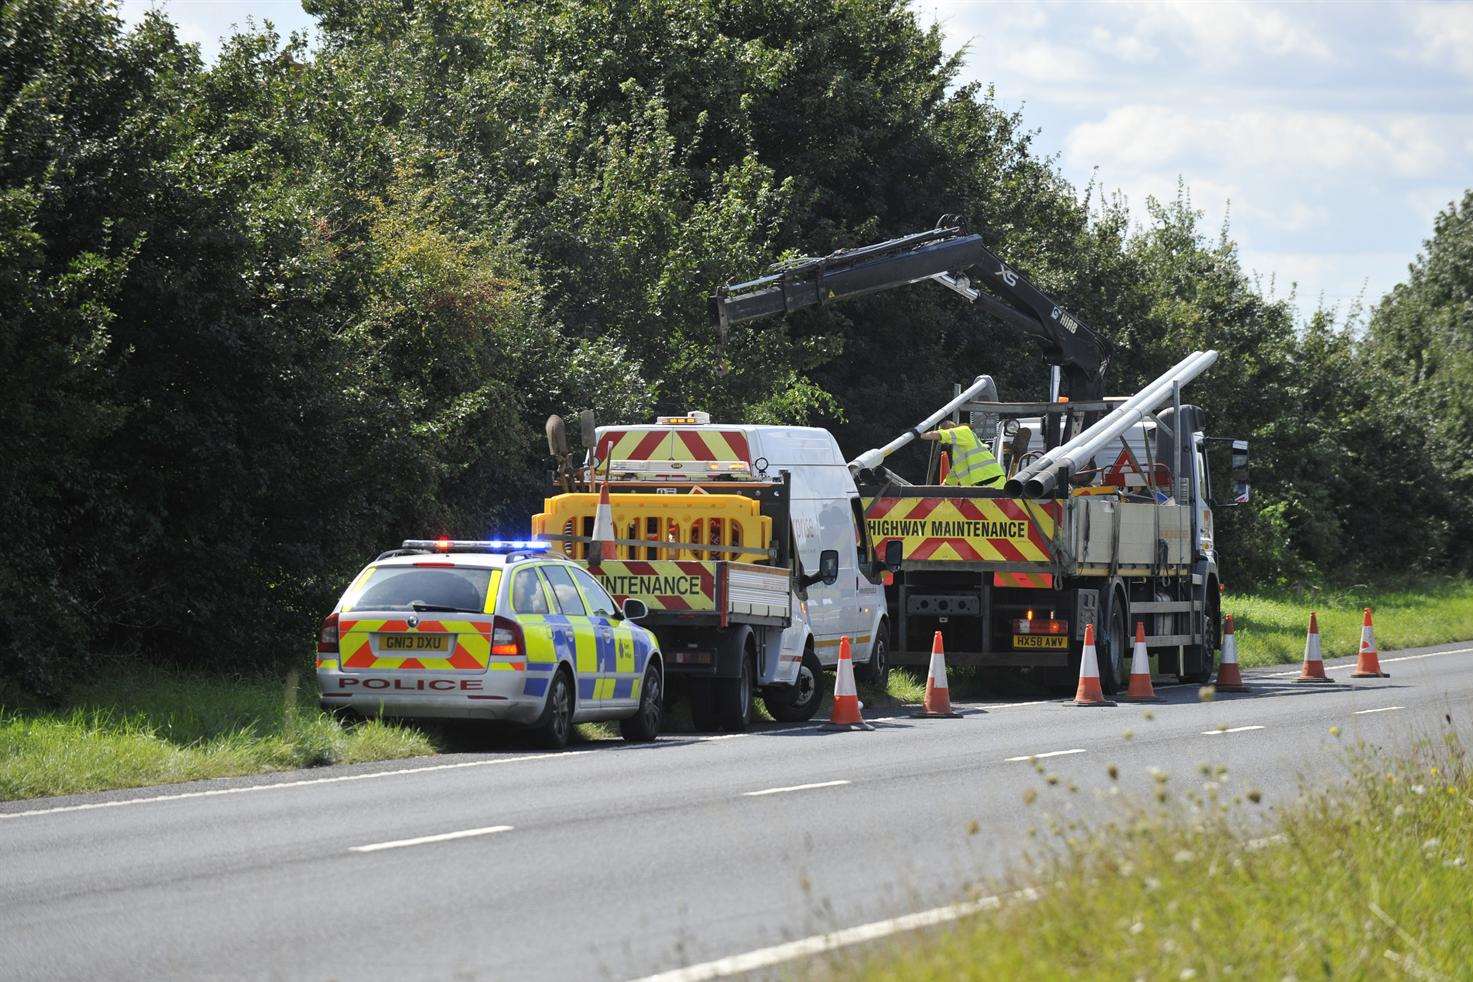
x=798 y=702
x=876 y=671
x=734 y=696
x=644 y=725
x=555 y=727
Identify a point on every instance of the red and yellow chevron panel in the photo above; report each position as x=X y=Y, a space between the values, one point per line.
x=996 y=530
x=674 y=444
x=1025 y=581
x=471 y=652
x=663 y=584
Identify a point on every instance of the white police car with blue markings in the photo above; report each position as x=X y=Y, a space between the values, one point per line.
x=443 y=628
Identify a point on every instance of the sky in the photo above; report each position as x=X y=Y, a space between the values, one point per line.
x=1329 y=135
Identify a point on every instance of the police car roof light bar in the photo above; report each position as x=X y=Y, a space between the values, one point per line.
x=496 y=546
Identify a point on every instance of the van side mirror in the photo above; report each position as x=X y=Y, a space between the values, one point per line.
x=828 y=566
x=635 y=609
x=894 y=553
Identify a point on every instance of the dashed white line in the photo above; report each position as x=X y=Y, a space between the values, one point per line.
x=761 y=958
x=1382 y=709
x=795 y=787
x=306 y=782
x=423 y=839
x=1231 y=729
x=1051 y=753
x=1015 y=705
x=1384 y=661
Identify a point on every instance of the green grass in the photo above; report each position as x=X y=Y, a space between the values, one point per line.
x=1271 y=629
x=164 y=727
x=1369 y=879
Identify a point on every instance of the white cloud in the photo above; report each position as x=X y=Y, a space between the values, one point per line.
x=1046 y=61
x=1303 y=145
x=1444 y=35
x=1124 y=47
x=1230 y=32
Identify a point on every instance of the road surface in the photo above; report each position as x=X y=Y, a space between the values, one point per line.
x=615 y=861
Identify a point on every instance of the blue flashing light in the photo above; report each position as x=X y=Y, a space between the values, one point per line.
x=496 y=546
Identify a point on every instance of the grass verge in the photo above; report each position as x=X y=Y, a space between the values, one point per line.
x=1365 y=880
x=166 y=727
x=1271 y=628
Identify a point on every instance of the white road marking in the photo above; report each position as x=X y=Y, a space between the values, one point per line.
x=1231 y=729
x=1015 y=705
x=1384 y=661
x=306 y=782
x=795 y=787
x=1051 y=753
x=1383 y=709
x=423 y=839
x=761 y=958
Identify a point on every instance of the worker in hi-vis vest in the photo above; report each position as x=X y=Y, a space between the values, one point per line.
x=972 y=463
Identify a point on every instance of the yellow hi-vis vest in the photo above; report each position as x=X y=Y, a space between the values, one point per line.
x=972 y=463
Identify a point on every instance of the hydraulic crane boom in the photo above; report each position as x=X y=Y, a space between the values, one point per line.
x=943 y=254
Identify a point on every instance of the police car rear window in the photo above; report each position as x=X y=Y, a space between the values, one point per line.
x=411 y=587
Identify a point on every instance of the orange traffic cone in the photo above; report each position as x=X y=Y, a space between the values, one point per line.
x=1140 y=689
x=846 y=697
x=938 y=697
x=1368 y=663
x=602 y=546
x=1229 y=676
x=1089 y=692
x=1314 y=665
x=943 y=467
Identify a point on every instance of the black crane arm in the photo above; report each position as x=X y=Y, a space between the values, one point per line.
x=943 y=254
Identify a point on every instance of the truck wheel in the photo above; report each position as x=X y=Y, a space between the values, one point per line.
x=701 y=693
x=644 y=725
x=734 y=696
x=876 y=671
x=553 y=729
x=798 y=702
x=1111 y=653
x=1203 y=656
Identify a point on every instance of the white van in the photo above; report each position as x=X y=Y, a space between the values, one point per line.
x=748 y=546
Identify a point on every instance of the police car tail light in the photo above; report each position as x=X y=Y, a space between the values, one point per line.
x=506 y=638
x=327 y=638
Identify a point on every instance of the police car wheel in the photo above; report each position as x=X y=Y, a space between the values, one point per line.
x=555 y=727
x=644 y=725
x=798 y=702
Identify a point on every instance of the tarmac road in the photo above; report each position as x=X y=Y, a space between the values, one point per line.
x=614 y=861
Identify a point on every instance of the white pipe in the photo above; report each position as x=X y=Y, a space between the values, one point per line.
x=1052 y=458
x=1081 y=450
x=871 y=459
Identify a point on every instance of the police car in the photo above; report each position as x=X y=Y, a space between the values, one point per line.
x=489 y=630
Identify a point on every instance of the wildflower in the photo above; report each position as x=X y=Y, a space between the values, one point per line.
x=1432 y=843
x=1334 y=731
x=1188 y=973
x=1183 y=856
x=1418 y=789
x=1137 y=928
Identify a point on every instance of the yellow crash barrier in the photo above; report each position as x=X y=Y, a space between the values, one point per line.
x=681 y=524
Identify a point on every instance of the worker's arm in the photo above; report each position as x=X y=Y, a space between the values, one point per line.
x=944 y=436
